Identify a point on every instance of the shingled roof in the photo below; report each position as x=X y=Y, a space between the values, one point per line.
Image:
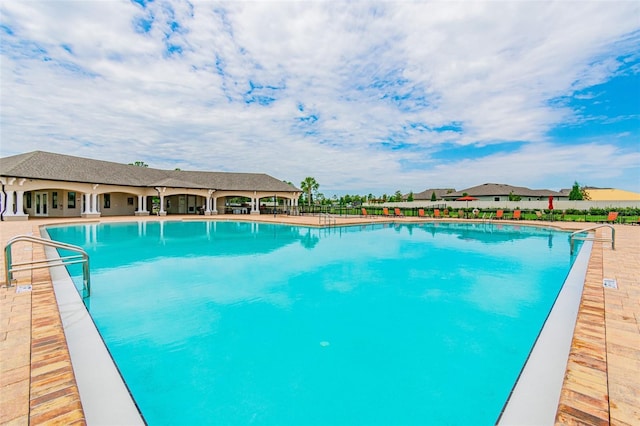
x=60 y=167
x=426 y=194
x=501 y=189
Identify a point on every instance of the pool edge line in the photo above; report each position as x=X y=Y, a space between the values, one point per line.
x=95 y=371
x=535 y=396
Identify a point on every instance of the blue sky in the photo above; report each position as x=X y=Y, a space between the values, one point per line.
x=366 y=97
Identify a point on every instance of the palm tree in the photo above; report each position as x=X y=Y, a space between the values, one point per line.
x=309 y=185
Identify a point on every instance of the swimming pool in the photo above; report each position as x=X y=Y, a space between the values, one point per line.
x=272 y=324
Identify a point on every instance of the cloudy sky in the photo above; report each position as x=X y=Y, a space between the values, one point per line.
x=366 y=97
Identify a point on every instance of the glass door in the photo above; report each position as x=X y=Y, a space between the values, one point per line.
x=42 y=203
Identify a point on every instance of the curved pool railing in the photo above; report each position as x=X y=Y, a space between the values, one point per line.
x=591 y=237
x=81 y=257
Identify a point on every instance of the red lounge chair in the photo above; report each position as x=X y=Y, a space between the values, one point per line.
x=421 y=213
x=385 y=211
x=516 y=214
x=499 y=214
x=397 y=212
x=364 y=212
x=613 y=216
x=436 y=213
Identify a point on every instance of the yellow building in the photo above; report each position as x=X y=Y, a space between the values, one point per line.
x=611 y=194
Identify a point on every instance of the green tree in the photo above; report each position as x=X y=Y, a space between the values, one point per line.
x=576 y=193
x=410 y=196
x=433 y=196
x=397 y=196
x=139 y=163
x=514 y=197
x=309 y=186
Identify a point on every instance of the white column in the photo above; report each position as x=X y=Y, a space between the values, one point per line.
x=94 y=203
x=215 y=205
x=161 y=205
x=11 y=205
x=19 y=203
x=144 y=203
x=140 y=207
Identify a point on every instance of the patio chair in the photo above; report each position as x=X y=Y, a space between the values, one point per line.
x=397 y=212
x=460 y=214
x=538 y=215
x=385 y=211
x=364 y=212
x=421 y=213
x=613 y=217
x=499 y=214
x=436 y=213
x=516 y=215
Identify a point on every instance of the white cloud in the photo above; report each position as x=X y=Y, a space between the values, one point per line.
x=349 y=93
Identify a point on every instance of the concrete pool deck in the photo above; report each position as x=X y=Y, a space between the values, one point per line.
x=601 y=383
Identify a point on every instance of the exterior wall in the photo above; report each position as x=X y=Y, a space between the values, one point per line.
x=68 y=199
x=120 y=204
x=524 y=205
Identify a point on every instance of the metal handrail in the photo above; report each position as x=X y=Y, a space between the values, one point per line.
x=574 y=236
x=81 y=257
x=327 y=219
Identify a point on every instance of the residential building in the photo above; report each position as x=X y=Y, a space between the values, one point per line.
x=55 y=185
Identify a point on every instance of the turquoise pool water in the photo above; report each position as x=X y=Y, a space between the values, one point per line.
x=247 y=323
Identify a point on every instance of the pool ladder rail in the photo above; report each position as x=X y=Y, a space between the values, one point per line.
x=591 y=237
x=81 y=257
x=327 y=219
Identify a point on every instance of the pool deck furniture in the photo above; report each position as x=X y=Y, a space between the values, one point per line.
x=421 y=213
x=385 y=212
x=612 y=217
x=436 y=213
x=500 y=214
x=397 y=212
x=601 y=383
x=516 y=214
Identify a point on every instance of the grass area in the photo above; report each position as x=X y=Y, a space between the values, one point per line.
x=468 y=213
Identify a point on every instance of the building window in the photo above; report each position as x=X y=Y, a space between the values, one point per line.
x=130 y=201
x=71 y=200
x=496 y=198
x=107 y=200
x=28 y=199
x=54 y=200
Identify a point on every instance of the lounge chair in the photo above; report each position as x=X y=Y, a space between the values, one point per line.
x=538 y=215
x=436 y=213
x=460 y=214
x=364 y=212
x=397 y=212
x=613 y=217
x=421 y=213
x=385 y=211
x=446 y=212
x=516 y=215
x=499 y=214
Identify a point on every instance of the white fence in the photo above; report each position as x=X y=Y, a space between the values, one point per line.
x=512 y=205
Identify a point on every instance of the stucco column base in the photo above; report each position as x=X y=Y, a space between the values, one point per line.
x=161 y=213
x=16 y=217
x=256 y=212
x=208 y=213
x=142 y=213
x=90 y=215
